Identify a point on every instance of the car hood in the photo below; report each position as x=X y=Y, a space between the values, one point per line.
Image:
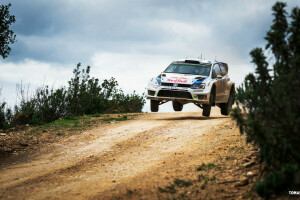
x=180 y=78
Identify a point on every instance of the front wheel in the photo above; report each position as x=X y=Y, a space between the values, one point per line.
x=207 y=107
x=226 y=107
x=154 y=105
x=206 y=110
x=177 y=106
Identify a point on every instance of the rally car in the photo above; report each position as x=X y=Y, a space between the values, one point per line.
x=197 y=81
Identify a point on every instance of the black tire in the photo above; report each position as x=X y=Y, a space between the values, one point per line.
x=206 y=110
x=154 y=105
x=207 y=107
x=226 y=107
x=177 y=106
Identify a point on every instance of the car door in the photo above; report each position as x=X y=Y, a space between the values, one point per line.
x=219 y=87
x=224 y=82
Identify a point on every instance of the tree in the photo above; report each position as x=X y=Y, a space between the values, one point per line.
x=7 y=36
x=268 y=104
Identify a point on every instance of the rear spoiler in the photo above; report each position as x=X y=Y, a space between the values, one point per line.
x=196 y=62
x=192 y=61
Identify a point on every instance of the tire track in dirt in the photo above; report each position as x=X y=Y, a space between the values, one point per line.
x=212 y=147
x=113 y=156
x=181 y=164
x=73 y=151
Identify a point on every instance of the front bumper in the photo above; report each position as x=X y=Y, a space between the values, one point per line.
x=177 y=99
x=183 y=95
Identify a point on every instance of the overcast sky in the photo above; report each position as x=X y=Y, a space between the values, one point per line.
x=131 y=40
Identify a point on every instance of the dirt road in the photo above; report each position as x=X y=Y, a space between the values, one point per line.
x=105 y=162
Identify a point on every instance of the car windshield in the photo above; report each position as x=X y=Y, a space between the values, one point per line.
x=188 y=68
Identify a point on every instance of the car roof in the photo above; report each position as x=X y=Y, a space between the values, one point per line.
x=202 y=61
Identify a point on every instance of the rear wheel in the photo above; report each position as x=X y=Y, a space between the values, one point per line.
x=154 y=105
x=226 y=107
x=177 y=106
x=207 y=107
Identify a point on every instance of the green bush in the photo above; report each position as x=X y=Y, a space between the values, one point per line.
x=6 y=115
x=83 y=96
x=126 y=103
x=2 y=115
x=268 y=103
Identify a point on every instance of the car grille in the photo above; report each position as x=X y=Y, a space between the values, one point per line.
x=179 y=84
x=179 y=94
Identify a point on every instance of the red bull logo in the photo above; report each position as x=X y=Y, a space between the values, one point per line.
x=177 y=80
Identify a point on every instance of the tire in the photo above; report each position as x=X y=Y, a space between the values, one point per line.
x=206 y=110
x=154 y=105
x=226 y=107
x=177 y=106
x=207 y=107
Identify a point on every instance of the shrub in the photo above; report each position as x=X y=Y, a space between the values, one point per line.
x=83 y=96
x=6 y=115
x=268 y=103
x=21 y=118
x=127 y=103
x=2 y=115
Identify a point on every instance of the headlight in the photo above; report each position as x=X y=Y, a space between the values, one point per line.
x=156 y=82
x=198 y=86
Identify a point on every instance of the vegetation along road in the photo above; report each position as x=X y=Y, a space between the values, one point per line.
x=153 y=156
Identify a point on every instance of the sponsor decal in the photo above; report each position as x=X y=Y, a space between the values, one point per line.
x=197 y=82
x=177 y=79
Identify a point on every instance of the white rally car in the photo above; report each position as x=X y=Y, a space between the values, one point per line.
x=197 y=81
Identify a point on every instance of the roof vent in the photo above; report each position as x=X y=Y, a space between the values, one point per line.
x=192 y=61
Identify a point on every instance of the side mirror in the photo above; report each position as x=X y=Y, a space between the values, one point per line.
x=219 y=76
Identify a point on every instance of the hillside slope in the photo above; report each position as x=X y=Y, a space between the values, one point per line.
x=137 y=159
